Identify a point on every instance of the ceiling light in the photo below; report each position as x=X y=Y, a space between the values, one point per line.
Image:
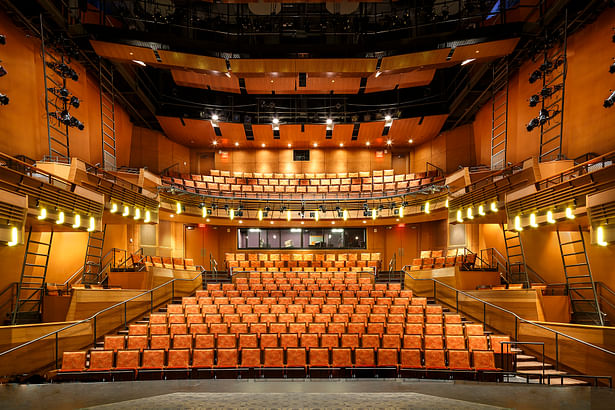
x=113 y=208
x=518 y=227
x=215 y=117
x=332 y=223
x=364 y=222
x=276 y=121
x=599 y=236
x=290 y=145
x=271 y=222
x=341 y=144
x=127 y=210
x=550 y=218
x=610 y=101
x=468 y=61
x=141 y=63
x=263 y=145
x=389 y=142
x=76 y=221
x=533 y=223
x=236 y=144
x=469 y=213
x=315 y=145
x=14 y=237
x=240 y=221
x=329 y=121
x=387 y=118
x=332 y=81
x=92 y=226
x=367 y=143
x=215 y=142
x=410 y=141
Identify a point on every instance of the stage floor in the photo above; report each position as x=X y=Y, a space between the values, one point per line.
x=303 y=393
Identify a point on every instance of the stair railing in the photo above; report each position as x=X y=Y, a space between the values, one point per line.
x=502 y=320
x=8 y=297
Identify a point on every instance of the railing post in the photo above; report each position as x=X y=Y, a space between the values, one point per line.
x=94 y=330
x=516 y=329
x=172 y=291
x=434 y=291
x=151 y=301
x=484 y=313
x=57 y=367
x=457 y=301
x=556 y=351
x=125 y=303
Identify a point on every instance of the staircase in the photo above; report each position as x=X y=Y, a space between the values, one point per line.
x=533 y=368
x=517 y=269
x=31 y=287
x=93 y=265
x=579 y=280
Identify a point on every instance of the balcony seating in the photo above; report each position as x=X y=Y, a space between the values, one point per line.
x=303 y=262
x=438 y=259
x=166 y=262
x=288 y=185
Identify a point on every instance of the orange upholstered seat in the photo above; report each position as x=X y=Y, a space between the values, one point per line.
x=73 y=362
x=101 y=360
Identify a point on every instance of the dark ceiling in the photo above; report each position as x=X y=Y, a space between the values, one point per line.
x=304 y=30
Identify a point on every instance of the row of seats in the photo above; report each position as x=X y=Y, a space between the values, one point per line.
x=314 y=290
x=302 y=273
x=230 y=358
x=307 y=340
x=299 y=266
x=443 y=261
x=308 y=257
x=163 y=262
x=362 y=174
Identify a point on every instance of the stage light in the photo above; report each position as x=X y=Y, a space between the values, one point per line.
x=64 y=70
x=60 y=219
x=533 y=223
x=535 y=76
x=276 y=121
x=534 y=100
x=446 y=203
x=341 y=145
x=178 y=208
x=113 y=208
x=401 y=211
x=410 y=141
x=74 y=101
x=427 y=206
x=345 y=214
x=550 y=217
x=610 y=100
x=316 y=216
x=76 y=221
x=137 y=214
x=92 y=225
x=231 y=214
x=215 y=117
x=315 y=145
x=42 y=214
x=612 y=68
x=389 y=142
x=147 y=217
x=481 y=210
x=290 y=145
x=374 y=213
x=289 y=215
x=459 y=216
x=3 y=71
x=518 y=226
x=126 y=211
x=260 y=214
x=469 y=214
x=387 y=118
x=329 y=121
x=532 y=124
x=543 y=116
x=599 y=236
x=494 y=206
x=2 y=39
x=14 y=237
x=569 y=213
x=4 y=99
x=214 y=142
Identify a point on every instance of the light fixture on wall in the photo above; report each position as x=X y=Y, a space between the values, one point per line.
x=374 y=213
x=427 y=207
x=178 y=208
x=42 y=214
x=569 y=213
x=533 y=223
x=147 y=217
x=600 y=236
x=469 y=214
x=401 y=211
x=345 y=214
x=459 y=216
x=14 y=237
x=550 y=218
x=316 y=215
x=288 y=215
x=126 y=210
x=76 y=221
x=60 y=219
x=92 y=225
x=113 y=208
x=518 y=226
x=481 y=210
x=137 y=214
x=231 y=214
x=494 y=206
x=446 y=203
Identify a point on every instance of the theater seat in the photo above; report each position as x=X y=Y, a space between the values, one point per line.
x=73 y=362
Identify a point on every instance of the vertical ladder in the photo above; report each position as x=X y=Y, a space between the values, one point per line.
x=517 y=270
x=107 y=116
x=579 y=279
x=93 y=264
x=499 y=114
x=551 y=132
x=57 y=133
x=31 y=287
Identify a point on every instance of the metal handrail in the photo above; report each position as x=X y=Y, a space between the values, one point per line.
x=518 y=318
x=13 y=288
x=509 y=170
x=560 y=177
x=94 y=316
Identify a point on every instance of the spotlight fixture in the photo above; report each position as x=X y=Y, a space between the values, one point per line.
x=126 y=211
x=612 y=68
x=401 y=211
x=535 y=76
x=4 y=99
x=215 y=117
x=534 y=100
x=543 y=116
x=139 y=62
x=3 y=71
x=65 y=118
x=276 y=120
x=316 y=216
x=260 y=214
x=63 y=70
x=446 y=203
x=329 y=121
x=532 y=124
x=178 y=208
x=374 y=214
x=137 y=214
x=345 y=214
x=610 y=101
x=469 y=214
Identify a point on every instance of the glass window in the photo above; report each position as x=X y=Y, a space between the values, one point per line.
x=301 y=238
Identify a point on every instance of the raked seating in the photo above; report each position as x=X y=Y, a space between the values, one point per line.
x=258 y=326
x=305 y=262
x=224 y=183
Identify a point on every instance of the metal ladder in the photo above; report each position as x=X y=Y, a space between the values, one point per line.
x=57 y=133
x=31 y=287
x=499 y=114
x=517 y=270
x=551 y=132
x=579 y=279
x=107 y=116
x=93 y=264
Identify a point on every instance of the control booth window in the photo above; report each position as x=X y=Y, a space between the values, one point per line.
x=301 y=238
